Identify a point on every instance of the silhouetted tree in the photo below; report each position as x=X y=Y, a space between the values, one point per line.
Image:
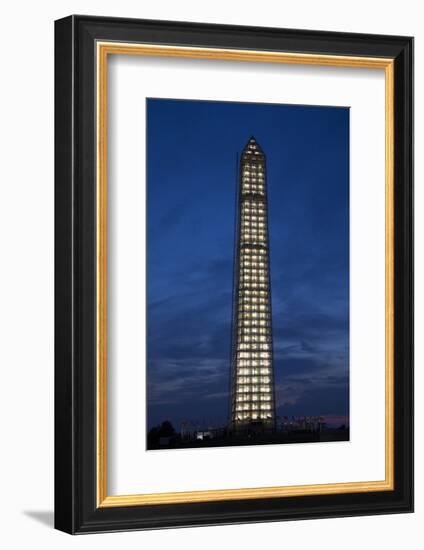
x=153 y=438
x=166 y=429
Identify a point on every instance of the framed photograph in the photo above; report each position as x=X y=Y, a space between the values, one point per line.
x=234 y=274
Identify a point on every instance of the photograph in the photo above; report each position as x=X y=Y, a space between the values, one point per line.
x=247 y=289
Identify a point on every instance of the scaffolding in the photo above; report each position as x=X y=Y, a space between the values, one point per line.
x=252 y=372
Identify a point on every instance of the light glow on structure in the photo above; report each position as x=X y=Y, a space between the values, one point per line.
x=252 y=374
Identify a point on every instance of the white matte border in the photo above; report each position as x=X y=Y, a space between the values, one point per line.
x=131 y=469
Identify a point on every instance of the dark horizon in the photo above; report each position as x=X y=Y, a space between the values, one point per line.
x=192 y=148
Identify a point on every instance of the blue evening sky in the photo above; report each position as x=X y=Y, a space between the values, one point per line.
x=192 y=149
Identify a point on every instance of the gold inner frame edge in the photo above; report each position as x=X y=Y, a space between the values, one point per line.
x=103 y=50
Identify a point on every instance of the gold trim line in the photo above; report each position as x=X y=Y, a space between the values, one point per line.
x=118 y=48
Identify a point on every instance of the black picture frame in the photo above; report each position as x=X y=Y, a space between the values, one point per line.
x=76 y=509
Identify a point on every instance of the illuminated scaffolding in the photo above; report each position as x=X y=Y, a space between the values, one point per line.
x=252 y=376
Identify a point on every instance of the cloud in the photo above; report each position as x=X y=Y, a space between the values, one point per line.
x=189 y=347
x=322 y=393
x=190 y=254
x=171 y=380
